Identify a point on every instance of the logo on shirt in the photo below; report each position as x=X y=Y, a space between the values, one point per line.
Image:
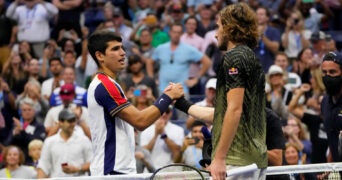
x=233 y=71
x=161 y=100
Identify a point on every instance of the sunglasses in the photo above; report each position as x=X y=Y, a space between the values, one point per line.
x=171 y=58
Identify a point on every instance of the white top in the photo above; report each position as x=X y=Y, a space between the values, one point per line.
x=21 y=172
x=47 y=86
x=75 y=151
x=161 y=155
x=51 y=117
x=294 y=42
x=112 y=138
x=33 y=24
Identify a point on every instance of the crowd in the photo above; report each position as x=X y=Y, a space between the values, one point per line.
x=46 y=70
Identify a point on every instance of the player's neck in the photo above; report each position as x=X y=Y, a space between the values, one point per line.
x=231 y=45
x=107 y=72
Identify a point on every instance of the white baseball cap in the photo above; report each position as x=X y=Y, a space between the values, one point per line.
x=275 y=69
x=211 y=83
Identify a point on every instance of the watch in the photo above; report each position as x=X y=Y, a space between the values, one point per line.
x=163 y=136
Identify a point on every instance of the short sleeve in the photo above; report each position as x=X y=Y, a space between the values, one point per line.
x=234 y=71
x=110 y=96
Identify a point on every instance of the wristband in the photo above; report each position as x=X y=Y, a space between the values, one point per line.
x=163 y=136
x=183 y=104
x=162 y=103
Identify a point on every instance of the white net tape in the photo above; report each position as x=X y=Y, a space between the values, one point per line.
x=309 y=168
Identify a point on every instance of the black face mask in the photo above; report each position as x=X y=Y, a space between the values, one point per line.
x=332 y=84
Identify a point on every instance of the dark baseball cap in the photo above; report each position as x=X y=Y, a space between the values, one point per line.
x=66 y=114
x=333 y=56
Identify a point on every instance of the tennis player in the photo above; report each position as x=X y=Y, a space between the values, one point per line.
x=112 y=117
x=239 y=120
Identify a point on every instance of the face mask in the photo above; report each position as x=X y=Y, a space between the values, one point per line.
x=332 y=84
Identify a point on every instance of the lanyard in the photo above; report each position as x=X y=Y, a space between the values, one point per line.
x=298 y=41
x=8 y=173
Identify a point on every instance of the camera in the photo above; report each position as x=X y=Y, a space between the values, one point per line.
x=296 y=21
x=140 y=92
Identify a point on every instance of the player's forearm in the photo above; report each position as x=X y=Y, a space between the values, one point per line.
x=275 y=157
x=201 y=112
x=230 y=124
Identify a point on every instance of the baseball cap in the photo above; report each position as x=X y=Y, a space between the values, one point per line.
x=317 y=36
x=211 y=83
x=177 y=8
x=66 y=114
x=67 y=92
x=333 y=56
x=275 y=69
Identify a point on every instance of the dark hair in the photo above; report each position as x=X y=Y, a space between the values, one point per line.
x=268 y=13
x=56 y=59
x=176 y=24
x=301 y=52
x=190 y=17
x=335 y=57
x=240 y=24
x=70 y=52
x=98 y=41
x=197 y=123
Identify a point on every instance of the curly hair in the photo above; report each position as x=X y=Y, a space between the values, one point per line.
x=240 y=24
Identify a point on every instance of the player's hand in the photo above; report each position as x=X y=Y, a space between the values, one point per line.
x=174 y=91
x=217 y=169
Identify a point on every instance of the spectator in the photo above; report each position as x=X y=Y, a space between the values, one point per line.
x=269 y=41
x=66 y=154
x=278 y=96
x=304 y=64
x=295 y=134
x=318 y=134
x=206 y=21
x=176 y=56
x=68 y=77
x=69 y=16
x=136 y=76
x=163 y=139
x=56 y=68
x=35 y=148
x=32 y=92
x=151 y=23
x=8 y=30
x=318 y=42
x=69 y=60
x=33 y=70
x=26 y=52
x=296 y=37
x=190 y=37
x=26 y=128
x=120 y=26
x=174 y=14
x=313 y=20
x=293 y=157
x=314 y=96
x=291 y=79
x=33 y=21
x=14 y=159
x=142 y=156
x=67 y=95
x=14 y=74
x=7 y=111
x=191 y=151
